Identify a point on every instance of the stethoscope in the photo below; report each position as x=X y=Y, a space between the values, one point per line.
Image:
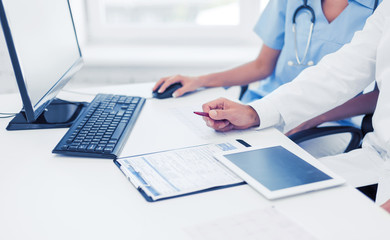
x=305 y=7
x=300 y=61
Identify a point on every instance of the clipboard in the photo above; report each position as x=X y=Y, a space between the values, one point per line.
x=180 y=172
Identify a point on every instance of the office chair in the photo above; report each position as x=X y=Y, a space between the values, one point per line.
x=317 y=132
x=243 y=89
x=354 y=143
x=356 y=133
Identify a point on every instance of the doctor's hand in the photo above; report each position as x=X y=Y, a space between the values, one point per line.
x=225 y=115
x=189 y=84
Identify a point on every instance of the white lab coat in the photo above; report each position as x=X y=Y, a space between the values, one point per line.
x=336 y=79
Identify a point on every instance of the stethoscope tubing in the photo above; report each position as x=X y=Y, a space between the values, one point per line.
x=313 y=19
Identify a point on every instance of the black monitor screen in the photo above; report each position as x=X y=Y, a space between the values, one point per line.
x=45 y=47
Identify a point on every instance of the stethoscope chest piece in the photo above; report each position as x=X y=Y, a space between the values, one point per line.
x=292 y=63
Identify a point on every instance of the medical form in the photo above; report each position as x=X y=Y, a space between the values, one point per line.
x=179 y=172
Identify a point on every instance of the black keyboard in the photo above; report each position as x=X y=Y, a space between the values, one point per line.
x=102 y=129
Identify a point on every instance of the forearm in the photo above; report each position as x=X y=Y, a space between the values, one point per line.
x=241 y=75
x=255 y=70
x=362 y=104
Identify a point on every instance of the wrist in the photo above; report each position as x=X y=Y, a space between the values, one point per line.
x=254 y=119
x=202 y=81
x=211 y=80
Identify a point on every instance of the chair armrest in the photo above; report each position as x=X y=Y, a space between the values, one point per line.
x=367 y=124
x=244 y=88
x=312 y=133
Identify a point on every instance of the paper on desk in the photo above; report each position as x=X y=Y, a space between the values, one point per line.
x=260 y=224
x=181 y=171
x=196 y=124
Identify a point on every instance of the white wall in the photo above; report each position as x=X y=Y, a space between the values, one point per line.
x=114 y=64
x=111 y=63
x=129 y=64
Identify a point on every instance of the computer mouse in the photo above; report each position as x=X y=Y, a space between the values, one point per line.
x=168 y=92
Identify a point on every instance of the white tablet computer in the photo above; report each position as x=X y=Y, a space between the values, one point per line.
x=276 y=172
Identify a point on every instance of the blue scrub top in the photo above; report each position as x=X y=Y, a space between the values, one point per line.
x=275 y=29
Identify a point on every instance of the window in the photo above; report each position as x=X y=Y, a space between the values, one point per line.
x=196 y=22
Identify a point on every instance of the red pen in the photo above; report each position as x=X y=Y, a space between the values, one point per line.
x=204 y=114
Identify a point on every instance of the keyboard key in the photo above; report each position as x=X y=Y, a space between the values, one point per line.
x=82 y=147
x=118 y=131
x=73 y=147
x=91 y=147
x=108 y=149
x=99 y=149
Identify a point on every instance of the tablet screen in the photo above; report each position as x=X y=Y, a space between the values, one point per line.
x=276 y=168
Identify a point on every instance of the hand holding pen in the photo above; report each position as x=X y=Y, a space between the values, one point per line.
x=224 y=115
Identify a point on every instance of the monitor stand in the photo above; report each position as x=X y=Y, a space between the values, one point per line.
x=59 y=114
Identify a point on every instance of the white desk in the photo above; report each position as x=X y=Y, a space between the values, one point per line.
x=46 y=196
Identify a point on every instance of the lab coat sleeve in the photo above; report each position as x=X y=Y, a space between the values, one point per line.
x=270 y=117
x=337 y=78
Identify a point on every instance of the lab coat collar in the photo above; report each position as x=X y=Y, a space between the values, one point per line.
x=367 y=3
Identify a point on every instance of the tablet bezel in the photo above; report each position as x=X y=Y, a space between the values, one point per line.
x=334 y=181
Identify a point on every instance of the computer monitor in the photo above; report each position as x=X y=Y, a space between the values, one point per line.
x=45 y=54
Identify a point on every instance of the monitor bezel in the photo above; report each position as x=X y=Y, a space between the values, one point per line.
x=32 y=112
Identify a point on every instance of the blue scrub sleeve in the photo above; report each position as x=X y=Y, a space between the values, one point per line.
x=271 y=25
